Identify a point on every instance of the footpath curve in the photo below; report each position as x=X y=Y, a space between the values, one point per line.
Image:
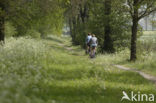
x=146 y=76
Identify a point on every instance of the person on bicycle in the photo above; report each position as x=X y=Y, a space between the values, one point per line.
x=88 y=42
x=93 y=44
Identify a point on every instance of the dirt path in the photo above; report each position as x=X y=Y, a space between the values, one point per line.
x=146 y=76
x=65 y=47
x=70 y=49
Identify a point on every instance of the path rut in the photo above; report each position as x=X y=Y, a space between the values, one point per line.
x=146 y=76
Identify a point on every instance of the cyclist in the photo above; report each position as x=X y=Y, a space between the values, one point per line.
x=88 y=42
x=93 y=43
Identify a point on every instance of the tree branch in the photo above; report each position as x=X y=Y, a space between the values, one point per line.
x=148 y=7
x=131 y=7
x=146 y=13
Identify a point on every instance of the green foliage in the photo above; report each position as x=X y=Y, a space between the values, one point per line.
x=20 y=69
x=2 y=13
x=10 y=30
x=33 y=33
x=146 y=44
x=32 y=14
x=120 y=23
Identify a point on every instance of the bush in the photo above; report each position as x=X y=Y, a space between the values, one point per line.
x=145 y=49
x=147 y=42
x=33 y=33
x=10 y=30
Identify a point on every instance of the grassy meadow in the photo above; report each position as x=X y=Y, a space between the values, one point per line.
x=146 y=54
x=51 y=70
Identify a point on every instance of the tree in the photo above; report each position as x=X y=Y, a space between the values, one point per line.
x=2 y=19
x=108 y=43
x=138 y=9
x=77 y=15
x=99 y=17
x=42 y=16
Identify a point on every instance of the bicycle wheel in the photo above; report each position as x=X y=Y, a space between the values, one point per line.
x=92 y=55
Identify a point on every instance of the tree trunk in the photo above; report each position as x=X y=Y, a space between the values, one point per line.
x=134 y=40
x=74 y=30
x=70 y=26
x=2 y=20
x=135 y=21
x=2 y=29
x=108 y=42
x=84 y=12
x=146 y=22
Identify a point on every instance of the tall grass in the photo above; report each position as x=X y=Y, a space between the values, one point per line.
x=20 y=69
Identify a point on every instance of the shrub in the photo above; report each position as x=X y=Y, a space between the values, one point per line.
x=10 y=30
x=33 y=33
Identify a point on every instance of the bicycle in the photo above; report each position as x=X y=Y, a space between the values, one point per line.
x=93 y=52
